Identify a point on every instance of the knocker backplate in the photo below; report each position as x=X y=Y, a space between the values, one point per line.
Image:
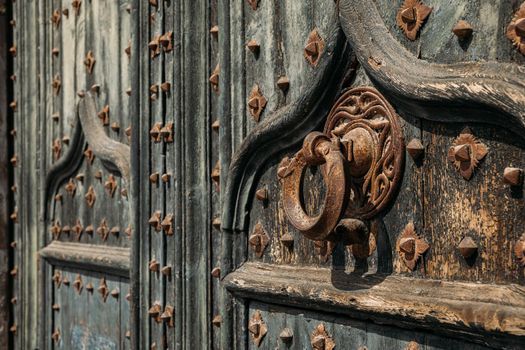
x=369 y=128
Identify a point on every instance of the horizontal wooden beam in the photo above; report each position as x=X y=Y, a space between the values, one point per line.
x=492 y=315
x=106 y=259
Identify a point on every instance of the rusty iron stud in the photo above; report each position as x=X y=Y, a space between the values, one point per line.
x=314 y=48
x=13 y=132
x=216 y=174
x=154 y=133
x=56 y=84
x=110 y=185
x=95 y=88
x=65 y=140
x=286 y=335
x=78 y=229
x=76 y=6
x=128 y=133
x=166 y=41
x=216 y=272
x=55 y=51
x=154 y=311
x=257 y=328
x=283 y=83
x=103 y=115
x=14 y=300
x=65 y=281
x=56 y=230
x=98 y=175
x=412 y=346
x=466 y=152
x=89 y=287
x=90 y=156
x=215 y=125
x=103 y=289
x=128 y=91
x=77 y=284
x=166 y=177
x=410 y=246
x=165 y=86
x=167 y=132
x=467 y=247
x=128 y=297
x=411 y=17
x=56 y=17
x=154 y=88
x=12 y=23
x=519 y=250
x=57 y=148
x=216 y=321
x=287 y=240
x=115 y=293
x=90 y=61
x=14 y=160
x=320 y=339
x=71 y=188
x=216 y=223
x=127 y=50
x=13 y=328
x=167 y=224
x=57 y=278
x=80 y=177
x=256 y=103
x=513 y=176
x=154 y=221
x=14 y=271
x=81 y=93
x=12 y=50
x=56 y=335
x=167 y=315
x=13 y=77
x=13 y=244
x=214 y=78
x=90 y=229
x=516 y=29
x=253 y=4
x=128 y=231
x=415 y=149
x=90 y=197
x=214 y=31
x=258 y=240
x=462 y=30
x=115 y=230
x=103 y=230
x=55 y=307
x=253 y=46
x=166 y=270
x=115 y=127
x=13 y=105
x=262 y=195
x=13 y=188
x=66 y=229
x=154 y=46
x=65 y=12
x=154 y=178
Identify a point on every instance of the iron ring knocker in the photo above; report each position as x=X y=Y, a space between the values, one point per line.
x=362 y=163
x=318 y=149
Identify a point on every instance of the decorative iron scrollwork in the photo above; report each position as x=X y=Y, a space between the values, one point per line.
x=361 y=154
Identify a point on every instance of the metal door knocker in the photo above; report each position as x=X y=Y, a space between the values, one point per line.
x=361 y=154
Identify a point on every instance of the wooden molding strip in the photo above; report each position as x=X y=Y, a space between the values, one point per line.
x=106 y=259
x=476 y=312
x=489 y=92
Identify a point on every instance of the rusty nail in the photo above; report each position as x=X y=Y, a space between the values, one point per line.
x=214 y=31
x=90 y=156
x=65 y=281
x=115 y=230
x=167 y=315
x=167 y=132
x=71 y=187
x=154 y=221
x=115 y=293
x=128 y=231
x=55 y=18
x=462 y=29
x=89 y=287
x=214 y=78
x=154 y=178
x=215 y=125
x=13 y=244
x=253 y=46
x=56 y=230
x=80 y=177
x=76 y=5
x=89 y=229
x=283 y=83
x=78 y=229
x=56 y=335
x=216 y=173
x=415 y=148
x=90 y=196
x=155 y=132
x=77 y=284
x=154 y=311
x=166 y=270
x=65 y=12
x=103 y=289
x=65 y=140
x=14 y=300
x=258 y=240
x=153 y=3
x=127 y=50
x=410 y=246
x=216 y=272
x=55 y=51
x=12 y=23
x=115 y=127
x=262 y=194
x=166 y=177
x=110 y=185
x=81 y=93
x=216 y=223
x=55 y=307
x=13 y=105
x=56 y=84
x=90 y=61
x=320 y=339
x=314 y=48
x=256 y=103
x=411 y=16
x=217 y=320
x=154 y=89
x=165 y=87
x=467 y=247
x=103 y=230
x=13 y=188
x=167 y=224
x=14 y=215
x=166 y=41
x=103 y=115
x=253 y=4
x=154 y=46
x=13 y=328
x=56 y=148
x=257 y=328
x=286 y=335
x=14 y=160
x=95 y=88
x=513 y=176
x=14 y=271
x=287 y=239
x=128 y=92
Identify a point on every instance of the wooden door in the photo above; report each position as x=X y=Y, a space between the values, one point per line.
x=70 y=133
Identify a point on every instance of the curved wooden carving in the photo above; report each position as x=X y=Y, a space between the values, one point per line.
x=488 y=92
x=283 y=129
x=114 y=155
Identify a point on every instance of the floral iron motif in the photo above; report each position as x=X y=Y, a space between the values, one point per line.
x=410 y=247
x=257 y=328
x=516 y=29
x=320 y=339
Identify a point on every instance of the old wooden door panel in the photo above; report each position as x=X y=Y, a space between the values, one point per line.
x=72 y=190
x=435 y=96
